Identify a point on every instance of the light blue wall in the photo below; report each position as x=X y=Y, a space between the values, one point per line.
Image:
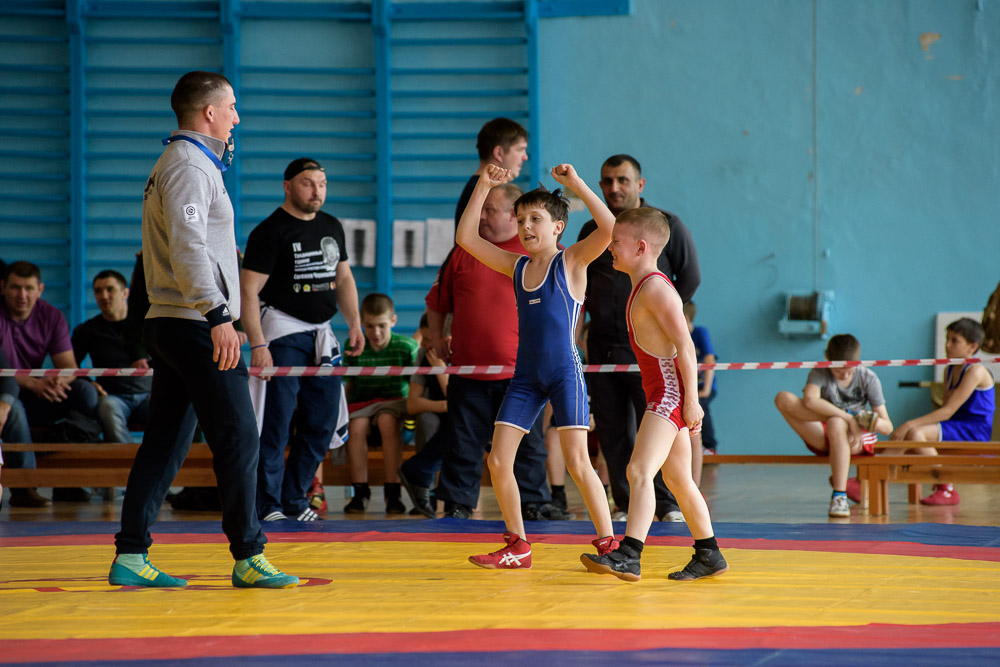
x=715 y=99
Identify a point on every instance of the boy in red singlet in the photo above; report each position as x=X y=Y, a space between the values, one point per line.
x=662 y=343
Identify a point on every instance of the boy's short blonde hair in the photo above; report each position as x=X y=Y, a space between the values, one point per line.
x=376 y=304
x=647 y=224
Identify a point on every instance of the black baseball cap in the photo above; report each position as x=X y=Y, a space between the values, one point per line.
x=297 y=166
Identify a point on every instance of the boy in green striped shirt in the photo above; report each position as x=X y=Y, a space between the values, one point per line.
x=378 y=400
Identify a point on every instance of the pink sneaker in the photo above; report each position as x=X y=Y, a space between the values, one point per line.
x=605 y=545
x=944 y=494
x=853 y=489
x=515 y=556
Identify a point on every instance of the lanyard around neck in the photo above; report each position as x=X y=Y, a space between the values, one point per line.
x=204 y=149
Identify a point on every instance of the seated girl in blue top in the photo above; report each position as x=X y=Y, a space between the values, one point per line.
x=969 y=403
x=549 y=285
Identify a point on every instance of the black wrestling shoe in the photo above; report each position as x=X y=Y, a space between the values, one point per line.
x=617 y=562
x=458 y=511
x=704 y=563
x=420 y=496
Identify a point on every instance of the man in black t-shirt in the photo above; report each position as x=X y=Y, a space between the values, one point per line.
x=123 y=400
x=295 y=277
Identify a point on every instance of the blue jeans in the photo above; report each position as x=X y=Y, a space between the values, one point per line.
x=188 y=385
x=15 y=429
x=282 y=484
x=472 y=410
x=116 y=411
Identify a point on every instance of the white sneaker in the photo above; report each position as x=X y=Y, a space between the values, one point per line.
x=619 y=516
x=308 y=515
x=839 y=507
x=674 y=516
x=275 y=516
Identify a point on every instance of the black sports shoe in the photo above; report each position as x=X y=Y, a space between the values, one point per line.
x=617 y=562
x=459 y=512
x=704 y=563
x=550 y=512
x=559 y=499
x=394 y=506
x=420 y=496
x=357 y=505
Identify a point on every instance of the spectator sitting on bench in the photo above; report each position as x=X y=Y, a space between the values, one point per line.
x=14 y=428
x=30 y=330
x=967 y=410
x=831 y=417
x=123 y=400
x=378 y=400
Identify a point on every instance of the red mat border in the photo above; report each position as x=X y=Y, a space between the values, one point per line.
x=881 y=636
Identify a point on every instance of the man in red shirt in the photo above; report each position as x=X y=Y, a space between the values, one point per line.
x=484 y=333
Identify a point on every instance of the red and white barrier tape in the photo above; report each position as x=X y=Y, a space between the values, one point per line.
x=313 y=371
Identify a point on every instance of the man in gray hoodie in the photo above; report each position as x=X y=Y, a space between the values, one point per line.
x=189 y=247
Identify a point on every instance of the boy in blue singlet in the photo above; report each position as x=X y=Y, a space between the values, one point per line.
x=549 y=285
x=969 y=402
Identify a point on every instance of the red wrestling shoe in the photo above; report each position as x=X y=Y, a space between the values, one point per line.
x=944 y=494
x=316 y=496
x=605 y=545
x=515 y=556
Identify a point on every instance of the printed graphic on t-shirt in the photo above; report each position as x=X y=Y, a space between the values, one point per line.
x=315 y=270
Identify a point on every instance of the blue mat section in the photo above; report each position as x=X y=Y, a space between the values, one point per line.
x=678 y=656
x=920 y=533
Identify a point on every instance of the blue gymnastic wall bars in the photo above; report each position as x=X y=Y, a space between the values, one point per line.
x=838 y=144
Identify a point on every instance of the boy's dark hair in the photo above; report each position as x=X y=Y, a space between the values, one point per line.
x=617 y=160
x=376 y=304
x=502 y=132
x=424 y=322
x=690 y=310
x=111 y=273
x=23 y=269
x=554 y=202
x=194 y=91
x=969 y=329
x=843 y=347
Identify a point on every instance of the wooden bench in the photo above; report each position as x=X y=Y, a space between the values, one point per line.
x=108 y=464
x=962 y=462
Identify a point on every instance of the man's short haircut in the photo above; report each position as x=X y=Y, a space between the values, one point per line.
x=376 y=304
x=969 y=329
x=617 y=160
x=502 y=132
x=111 y=273
x=843 y=347
x=510 y=192
x=647 y=224
x=194 y=91
x=23 y=270
x=554 y=202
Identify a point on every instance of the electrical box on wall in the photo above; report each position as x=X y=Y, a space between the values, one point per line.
x=807 y=315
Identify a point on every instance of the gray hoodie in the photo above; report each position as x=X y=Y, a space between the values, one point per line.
x=188 y=236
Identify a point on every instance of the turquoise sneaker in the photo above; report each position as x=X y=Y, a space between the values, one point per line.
x=148 y=575
x=256 y=572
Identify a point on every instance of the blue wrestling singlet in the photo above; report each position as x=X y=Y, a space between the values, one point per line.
x=973 y=421
x=548 y=365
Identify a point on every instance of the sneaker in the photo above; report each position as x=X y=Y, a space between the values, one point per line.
x=704 y=563
x=308 y=515
x=357 y=505
x=394 y=506
x=673 y=516
x=619 y=515
x=839 y=507
x=617 y=562
x=707 y=451
x=149 y=576
x=71 y=495
x=28 y=498
x=516 y=555
x=458 y=512
x=605 y=545
x=559 y=499
x=256 y=572
x=275 y=516
x=316 y=495
x=544 y=512
x=867 y=420
x=944 y=494
x=420 y=496
x=854 y=489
